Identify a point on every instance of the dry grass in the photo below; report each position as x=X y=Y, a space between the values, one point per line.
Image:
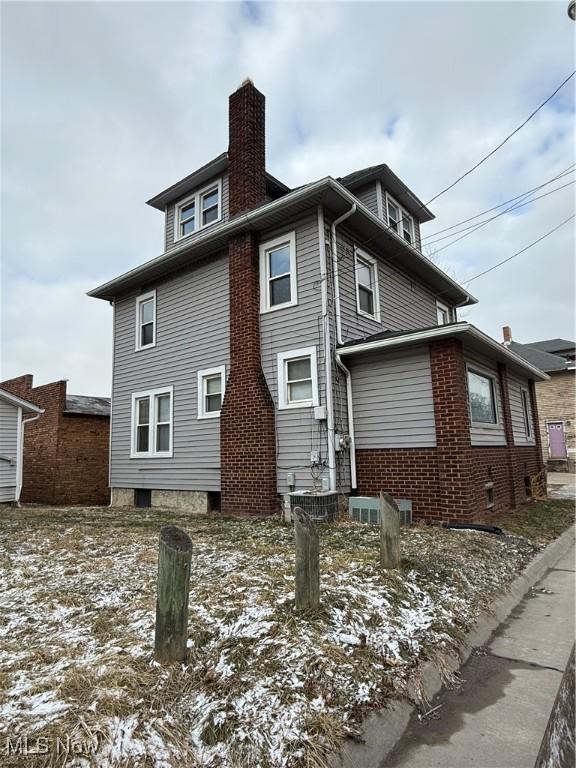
x=263 y=686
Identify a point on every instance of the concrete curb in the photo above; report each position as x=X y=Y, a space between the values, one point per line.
x=384 y=728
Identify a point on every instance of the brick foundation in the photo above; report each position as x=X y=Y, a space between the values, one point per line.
x=65 y=456
x=450 y=482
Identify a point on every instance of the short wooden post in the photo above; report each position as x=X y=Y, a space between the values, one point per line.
x=389 y=532
x=174 y=555
x=307 y=575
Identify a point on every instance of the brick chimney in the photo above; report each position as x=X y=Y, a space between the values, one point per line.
x=507 y=334
x=247 y=420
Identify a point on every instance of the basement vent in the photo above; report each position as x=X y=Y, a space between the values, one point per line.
x=142 y=497
x=366 y=509
x=322 y=507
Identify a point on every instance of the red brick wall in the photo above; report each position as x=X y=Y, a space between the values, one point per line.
x=247 y=420
x=449 y=482
x=65 y=457
x=82 y=463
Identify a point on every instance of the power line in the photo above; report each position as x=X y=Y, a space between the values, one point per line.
x=514 y=255
x=561 y=175
x=493 y=151
x=474 y=227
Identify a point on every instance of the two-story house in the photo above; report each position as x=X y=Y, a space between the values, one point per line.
x=287 y=339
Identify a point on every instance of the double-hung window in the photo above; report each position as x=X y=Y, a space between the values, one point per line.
x=278 y=287
x=367 y=300
x=482 y=398
x=152 y=423
x=297 y=378
x=211 y=384
x=146 y=320
x=198 y=210
x=442 y=313
x=526 y=412
x=399 y=220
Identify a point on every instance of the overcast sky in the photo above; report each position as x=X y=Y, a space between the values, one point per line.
x=105 y=104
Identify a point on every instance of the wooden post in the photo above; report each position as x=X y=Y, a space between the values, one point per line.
x=307 y=575
x=389 y=532
x=174 y=554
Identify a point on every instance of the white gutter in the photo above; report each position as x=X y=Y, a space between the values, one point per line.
x=20 y=451
x=335 y=223
x=440 y=332
x=327 y=350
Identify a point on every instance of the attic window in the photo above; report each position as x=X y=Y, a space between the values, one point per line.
x=399 y=220
x=199 y=210
x=367 y=302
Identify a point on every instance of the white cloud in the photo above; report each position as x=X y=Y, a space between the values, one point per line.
x=105 y=104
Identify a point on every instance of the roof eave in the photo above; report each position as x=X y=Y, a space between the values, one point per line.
x=19 y=402
x=441 y=332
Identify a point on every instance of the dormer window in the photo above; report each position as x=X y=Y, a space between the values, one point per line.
x=199 y=210
x=399 y=220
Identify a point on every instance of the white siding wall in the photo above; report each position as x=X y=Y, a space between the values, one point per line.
x=393 y=401
x=8 y=447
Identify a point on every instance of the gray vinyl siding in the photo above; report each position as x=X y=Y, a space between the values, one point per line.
x=170 y=211
x=191 y=334
x=8 y=447
x=369 y=196
x=487 y=434
x=298 y=433
x=393 y=400
x=515 y=387
x=405 y=302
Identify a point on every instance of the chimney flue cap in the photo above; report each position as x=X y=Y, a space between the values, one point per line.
x=507 y=334
x=246 y=81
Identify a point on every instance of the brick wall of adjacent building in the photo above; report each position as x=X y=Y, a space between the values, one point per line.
x=557 y=402
x=65 y=457
x=453 y=480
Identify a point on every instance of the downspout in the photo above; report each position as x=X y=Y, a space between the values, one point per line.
x=335 y=268
x=20 y=452
x=327 y=351
x=339 y=341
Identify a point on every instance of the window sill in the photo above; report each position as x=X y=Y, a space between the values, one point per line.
x=485 y=425
x=163 y=455
x=266 y=310
x=197 y=231
x=374 y=318
x=296 y=406
x=203 y=416
x=144 y=348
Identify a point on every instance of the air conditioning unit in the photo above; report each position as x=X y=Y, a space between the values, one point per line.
x=366 y=509
x=321 y=506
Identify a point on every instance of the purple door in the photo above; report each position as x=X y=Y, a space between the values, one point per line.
x=556 y=440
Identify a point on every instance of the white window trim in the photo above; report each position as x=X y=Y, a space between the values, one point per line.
x=196 y=197
x=202 y=375
x=444 y=307
x=152 y=452
x=140 y=300
x=283 y=358
x=495 y=391
x=363 y=256
x=404 y=215
x=526 y=414
x=289 y=237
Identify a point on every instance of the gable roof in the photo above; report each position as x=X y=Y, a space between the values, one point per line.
x=474 y=337
x=327 y=191
x=543 y=360
x=554 y=346
x=203 y=174
x=393 y=183
x=19 y=402
x=87 y=406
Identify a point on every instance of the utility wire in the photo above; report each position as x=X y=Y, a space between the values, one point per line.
x=561 y=175
x=514 y=255
x=474 y=227
x=493 y=151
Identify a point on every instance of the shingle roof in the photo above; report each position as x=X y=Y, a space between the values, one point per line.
x=87 y=406
x=554 y=346
x=543 y=360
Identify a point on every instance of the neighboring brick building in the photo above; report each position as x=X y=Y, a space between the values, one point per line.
x=556 y=397
x=66 y=449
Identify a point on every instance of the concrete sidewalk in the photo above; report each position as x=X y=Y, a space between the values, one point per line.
x=561 y=485
x=498 y=716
